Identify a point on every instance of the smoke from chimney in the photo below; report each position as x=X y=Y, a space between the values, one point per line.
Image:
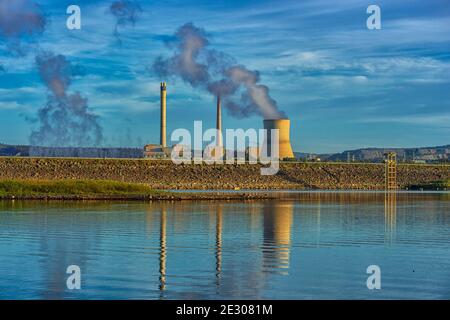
x=65 y=120
x=126 y=12
x=216 y=72
x=20 y=20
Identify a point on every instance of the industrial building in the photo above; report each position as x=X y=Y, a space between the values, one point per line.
x=284 y=146
x=161 y=150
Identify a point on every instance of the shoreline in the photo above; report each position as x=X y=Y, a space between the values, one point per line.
x=159 y=197
x=201 y=195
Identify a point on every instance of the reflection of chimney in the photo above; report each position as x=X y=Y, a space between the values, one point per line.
x=162 y=249
x=219 y=227
x=163 y=115
x=219 y=122
x=283 y=125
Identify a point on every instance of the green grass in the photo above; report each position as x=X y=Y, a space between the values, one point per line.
x=436 y=185
x=20 y=188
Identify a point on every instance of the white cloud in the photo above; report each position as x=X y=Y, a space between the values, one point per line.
x=10 y=105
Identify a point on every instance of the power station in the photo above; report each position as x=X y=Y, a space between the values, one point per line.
x=284 y=141
x=163 y=93
x=161 y=150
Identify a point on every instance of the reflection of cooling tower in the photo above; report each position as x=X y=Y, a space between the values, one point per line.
x=163 y=115
x=283 y=125
x=277 y=233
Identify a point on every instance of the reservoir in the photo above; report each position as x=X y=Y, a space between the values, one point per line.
x=304 y=245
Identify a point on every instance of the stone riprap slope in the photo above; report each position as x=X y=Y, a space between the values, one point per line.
x=162 y=174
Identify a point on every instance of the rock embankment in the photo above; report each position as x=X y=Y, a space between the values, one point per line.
x=161 y=174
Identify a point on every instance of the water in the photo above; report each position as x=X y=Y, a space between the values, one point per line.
x=307 y=246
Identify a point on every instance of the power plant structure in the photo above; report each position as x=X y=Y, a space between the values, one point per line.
x=161 y=150
x=284 y=145
x=219 y=123
x=163 y=99
x=219 y=150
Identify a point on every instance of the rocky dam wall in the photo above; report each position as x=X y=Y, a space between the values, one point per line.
x=163 y=174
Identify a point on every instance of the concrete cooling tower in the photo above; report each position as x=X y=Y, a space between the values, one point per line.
x=283 y=125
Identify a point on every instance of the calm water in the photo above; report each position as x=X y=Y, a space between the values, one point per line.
x=312 y=245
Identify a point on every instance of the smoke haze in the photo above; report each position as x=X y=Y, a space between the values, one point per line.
x=126 y=12
x=65 y=120
x=216 y=72
x=20 y=20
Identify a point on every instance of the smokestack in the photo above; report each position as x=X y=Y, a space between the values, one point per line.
x=163 y=115
x=283 y=125
x=219 y=122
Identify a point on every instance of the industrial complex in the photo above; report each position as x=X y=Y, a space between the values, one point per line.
x=162 y=150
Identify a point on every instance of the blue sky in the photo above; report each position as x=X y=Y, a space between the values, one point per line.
x=343 y=86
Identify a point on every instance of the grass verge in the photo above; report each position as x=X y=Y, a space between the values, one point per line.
x=63 y=188
x=436 y=185
x=103 y=190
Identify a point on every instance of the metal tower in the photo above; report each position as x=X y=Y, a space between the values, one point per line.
x=391 y=171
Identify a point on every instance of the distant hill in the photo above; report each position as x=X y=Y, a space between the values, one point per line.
x=26 y=151
x=426 y=154
x=19 y=151
x=440 y=153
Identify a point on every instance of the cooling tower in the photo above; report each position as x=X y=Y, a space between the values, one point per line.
x=283 y=125
x=163 y=115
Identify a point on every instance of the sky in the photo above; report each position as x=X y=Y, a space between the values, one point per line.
x=342 y=85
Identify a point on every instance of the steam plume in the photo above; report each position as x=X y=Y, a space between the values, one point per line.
x=65 y=120
x=126 y=12
x=20 y=20
x=217 y=73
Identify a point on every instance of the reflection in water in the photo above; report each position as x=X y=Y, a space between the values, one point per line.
x=218 y=253
x=277 y=234
x=163 y=248
x=319 y=209
x=228 y=249
x=60 y=248
x=390 y=215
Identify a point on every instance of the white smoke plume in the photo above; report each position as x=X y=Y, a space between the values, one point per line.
x=65 y=121
x=194 y=62
x=20 y=20
x=126 y=12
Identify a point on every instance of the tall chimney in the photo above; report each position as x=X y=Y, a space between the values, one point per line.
x=219 y=122
x=163 y=115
